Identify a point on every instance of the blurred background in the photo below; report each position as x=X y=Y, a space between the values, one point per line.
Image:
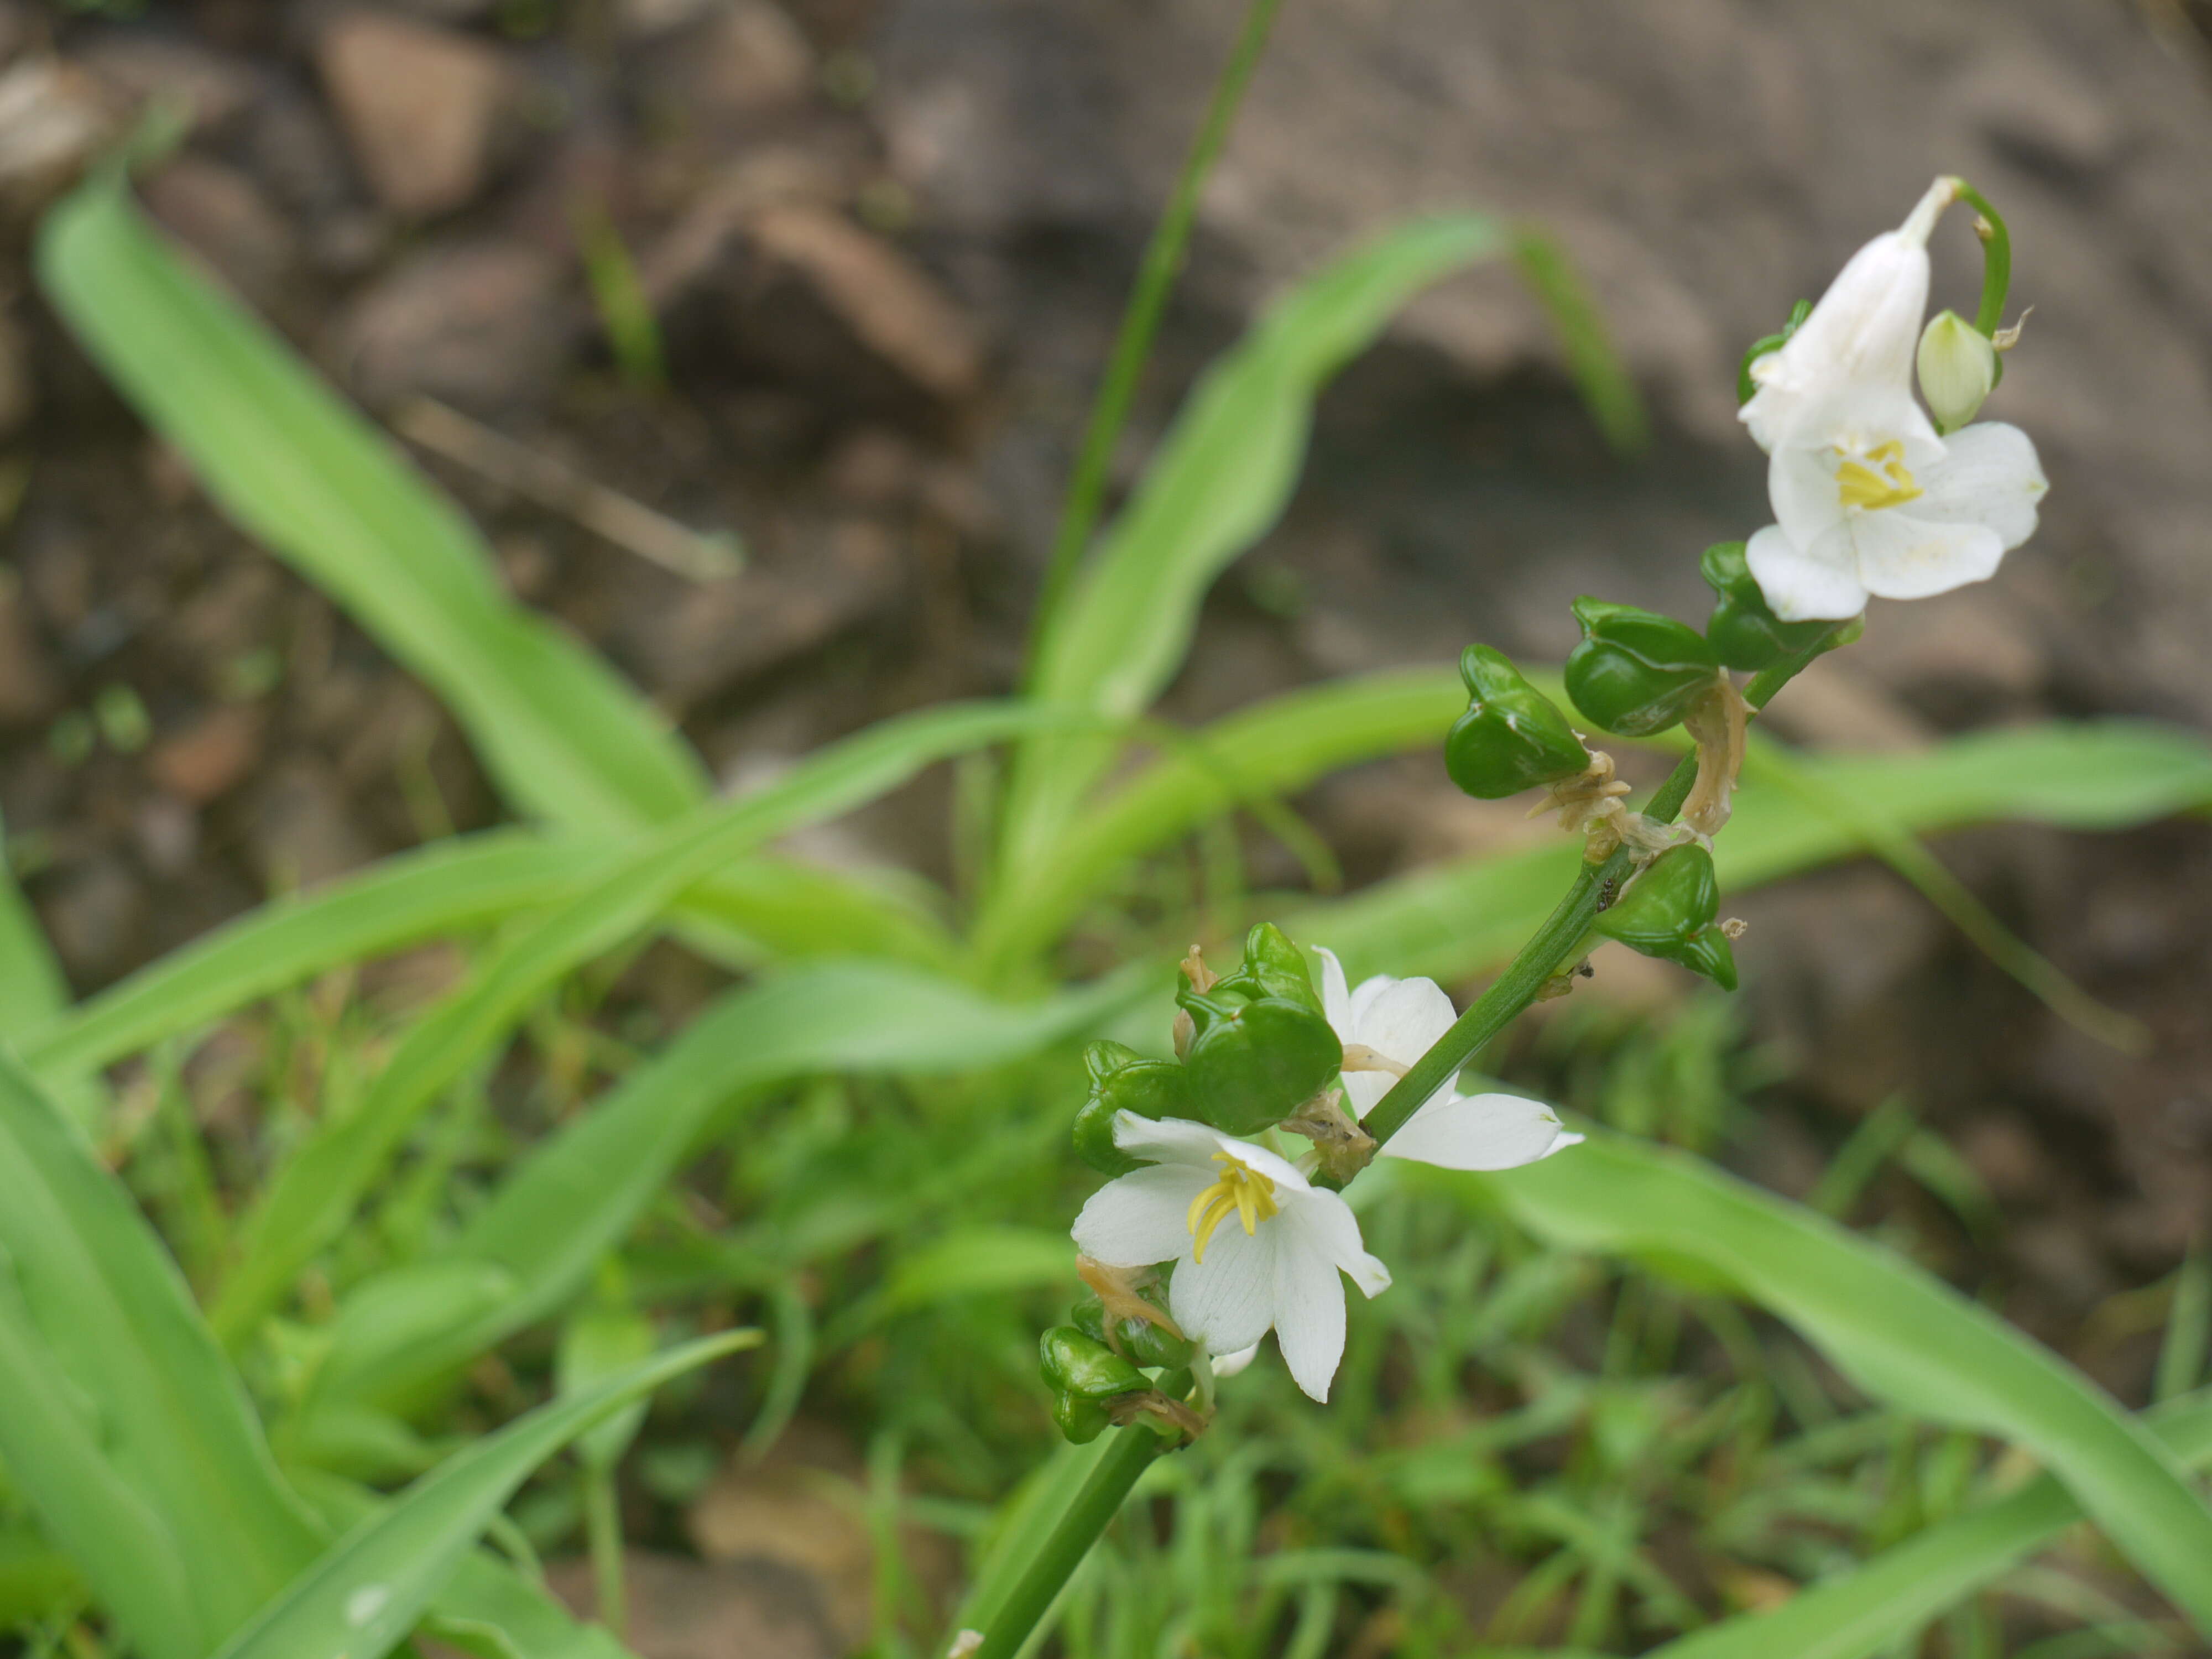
x=829 y=282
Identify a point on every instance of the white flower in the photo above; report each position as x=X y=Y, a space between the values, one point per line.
x=1887 y=508
x=1277 y=1266
x=1862 y=333
x=1399 y=1020
x=1867 y=499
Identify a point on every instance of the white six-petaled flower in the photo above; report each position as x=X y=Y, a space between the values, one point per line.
x=1868 y=500
x=1276 y=1265
x=1256 y=1245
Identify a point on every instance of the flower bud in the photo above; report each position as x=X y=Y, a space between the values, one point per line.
x=1512 y=736
x=1074 y=1364
x=1274 y=966
x=1123 y=1080
x=1080 y=1421
x=1637 y=672
x=1253 y=1060
x=1668 y=912
x=1958 y=368
x=1142 y=1341
x=1743 y=630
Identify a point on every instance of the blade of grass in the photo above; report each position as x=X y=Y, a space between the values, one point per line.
x=1861 y=1614
x=303 y=473
x=124 y=1428
x=314 y=1196
x=1133 y=344
x=1222 y=476
x=368 y=1590
x=1894 y=1330
x=572 y=1199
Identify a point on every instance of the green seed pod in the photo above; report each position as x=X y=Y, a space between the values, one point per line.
x=1080 y=1420
x=1636 y=671
x=1273 y=967
x=1668 y=912
x=1121 y=1079
x=1145 y=1343
x=1512 y=736
x=1743 y=632
x=1074 y=1364
x=1253 y=1061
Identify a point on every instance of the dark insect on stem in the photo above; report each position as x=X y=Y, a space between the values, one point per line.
x=1608 y=892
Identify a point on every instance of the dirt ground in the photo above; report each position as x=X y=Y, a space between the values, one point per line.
x=887 y=242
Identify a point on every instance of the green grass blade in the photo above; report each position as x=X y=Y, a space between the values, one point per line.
x=366 y=1592
x=1861 y=1614
x=32 y=988
x=124 y=1425
x=565 y=739
x=1268 y=749
x=1455 y=921
x=1223 y=473
x=576 y=1196
x=314 y=1197
x=1894 y=1330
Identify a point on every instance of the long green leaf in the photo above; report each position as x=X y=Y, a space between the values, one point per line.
x=1223 y=475
x=575 y=1197
x=1896 y=1331
x=304 y=473
x=359 y=1599
x=312 y=1200
x=124 y=1425
x=1865 y=1612
x=1455 y=921
x=32 y=988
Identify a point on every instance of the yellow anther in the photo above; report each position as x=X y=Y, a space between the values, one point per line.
x=1861 y=486
x=1243 y=1192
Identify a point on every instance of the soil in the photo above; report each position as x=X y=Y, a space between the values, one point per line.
x=887 y=242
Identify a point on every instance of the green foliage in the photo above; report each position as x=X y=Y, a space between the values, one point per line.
x=885 y=1101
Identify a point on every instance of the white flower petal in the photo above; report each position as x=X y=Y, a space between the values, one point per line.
x=1228 y=1365
x=1309 y=1313
x=1801 y=484
x=1902 y=555
x=1989 y=474
x=1800 y=586
x=1407 y=1019
x=1481 y=1131
x=1179 y=1140
x=1141 y=1217
x=1364 y=998
x=1863 y=329
x=1322 y=1219
x=1335 y=998
x=1227 y=1302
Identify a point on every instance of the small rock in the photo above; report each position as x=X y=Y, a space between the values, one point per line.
x=29 y=693
x=782 y=1518
x=218 y=212
x=643 y=20
x=721 y=632
x=685 y=1609
x=167 y=835
x=484 y=325
x=861 y=289
x=141 y=65
x=748 y=61
x=2004 y=1154
x=95 y=914
x=212 y=755
x=294 y=150
x=53 y=120
x=421 y=106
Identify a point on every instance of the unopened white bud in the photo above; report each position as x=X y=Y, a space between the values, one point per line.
x=1958 y=366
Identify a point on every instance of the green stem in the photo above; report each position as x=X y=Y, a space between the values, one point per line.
x=1996 y=257
x=603 y=1532
x=1130 y=1455
x=1556 y=943
x=1163 y=258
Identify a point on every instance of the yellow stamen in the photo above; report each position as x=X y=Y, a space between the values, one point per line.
x=1861 y=486
x=1243 y=1192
